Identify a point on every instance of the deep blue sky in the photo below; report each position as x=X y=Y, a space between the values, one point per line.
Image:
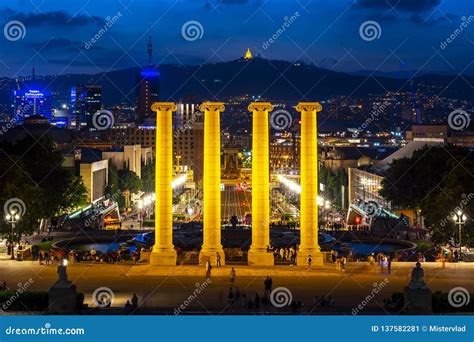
x=325 y=33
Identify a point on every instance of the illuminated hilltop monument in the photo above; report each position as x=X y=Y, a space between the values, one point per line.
x=163 y=251
x=248 y=54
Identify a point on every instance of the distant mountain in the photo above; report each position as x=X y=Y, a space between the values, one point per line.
x=275 y=80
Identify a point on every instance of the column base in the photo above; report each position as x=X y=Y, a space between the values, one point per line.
x=163 y=257
x=316 y=255
x=260 y=257
x=210 y=254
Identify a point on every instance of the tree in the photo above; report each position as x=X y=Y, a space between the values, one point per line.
x=148 y=177
x=32 y=171
x=129 y=180
x=437 y=181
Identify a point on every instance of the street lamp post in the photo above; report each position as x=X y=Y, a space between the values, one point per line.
x=460 y=219
x=12 y=218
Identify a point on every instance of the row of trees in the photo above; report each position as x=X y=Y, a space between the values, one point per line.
x=438 y=181
x=32 y=172
x=333 y=182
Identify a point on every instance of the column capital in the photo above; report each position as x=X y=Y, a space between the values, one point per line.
x=260 y=106
x=309 y=106
x=212 y=106
x=163 y=106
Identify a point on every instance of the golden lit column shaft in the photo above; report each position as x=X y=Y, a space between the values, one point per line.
x=258 y=255
x=163 y=252
x=212 y=184
x=309 y=184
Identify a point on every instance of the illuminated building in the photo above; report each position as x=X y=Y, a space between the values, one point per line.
x=248 y=55
x=32 y=102
x=85 y=101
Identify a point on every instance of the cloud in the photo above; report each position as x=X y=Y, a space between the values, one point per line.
x=54 y=43
x=54 y=18
x=400 y=5
x=418 y=19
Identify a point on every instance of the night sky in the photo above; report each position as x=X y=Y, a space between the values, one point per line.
x=325 y=33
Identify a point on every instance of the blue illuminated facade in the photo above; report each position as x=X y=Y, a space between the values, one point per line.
x=32 y=102
x=148 y=89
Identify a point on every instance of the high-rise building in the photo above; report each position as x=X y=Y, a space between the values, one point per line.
x=148 y=87
x=32 y=102
x=77 y=106
x=85 y=101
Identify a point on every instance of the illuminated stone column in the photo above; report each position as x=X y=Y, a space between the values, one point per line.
x=258 y=255
x=212 y=184
x=309 y=184
x=163 y=252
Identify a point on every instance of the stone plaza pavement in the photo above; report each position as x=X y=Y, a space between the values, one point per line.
x=167 y=287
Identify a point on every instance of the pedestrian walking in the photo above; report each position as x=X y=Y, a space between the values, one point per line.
x=309 y=260
x=218 y=259
x=208 y=270
x=232 y=275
